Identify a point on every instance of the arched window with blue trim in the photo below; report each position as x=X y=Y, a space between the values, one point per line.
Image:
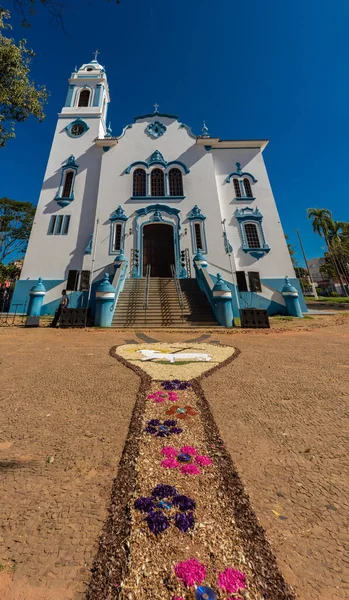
x=175 y=181
x=243 y=183
x=237 y=188
x=251 y=232
x=252 y=237
x=157 y=181
x=139 y=182
x=84 y=98
x=248 y=188
x=68 y=184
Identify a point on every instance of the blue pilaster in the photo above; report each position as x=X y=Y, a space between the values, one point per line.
x=68 y=101
x=105 y=296
x=36 y=298
x=97 y=97
x=292 y=300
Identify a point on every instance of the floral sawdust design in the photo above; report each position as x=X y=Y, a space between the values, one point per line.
x=161 y=396
x=192 y=573
x=176 y=384
x=162 y=429
x=182 y=412
x=186 y=459
x=165 y=498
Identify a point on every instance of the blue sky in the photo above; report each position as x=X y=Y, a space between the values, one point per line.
x=275 y=69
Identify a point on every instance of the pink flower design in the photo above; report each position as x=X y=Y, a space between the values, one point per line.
x=190 y=470
x=161 y=396
x=169 y=452
x=190 y=571
x=169 y=463
x=232 y=580
x=203 y=461
x=186 y=460
x=189 y=450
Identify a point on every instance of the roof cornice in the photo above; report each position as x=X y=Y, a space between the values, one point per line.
x=221 y=144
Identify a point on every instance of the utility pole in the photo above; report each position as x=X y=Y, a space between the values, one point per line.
x=306 y=262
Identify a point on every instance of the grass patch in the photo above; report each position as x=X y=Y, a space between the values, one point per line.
x=336 y=300
x=282 y=318
x=307 y=317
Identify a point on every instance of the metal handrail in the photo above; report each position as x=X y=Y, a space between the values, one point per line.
x=178 y=290
x=146 y=289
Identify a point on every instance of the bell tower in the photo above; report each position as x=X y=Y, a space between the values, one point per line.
x=87 y=98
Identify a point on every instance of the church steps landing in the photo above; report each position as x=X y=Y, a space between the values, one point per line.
x=163 y=306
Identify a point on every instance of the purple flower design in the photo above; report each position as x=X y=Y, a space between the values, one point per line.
x=165 y=429
x=165 y=498
x=175 y=384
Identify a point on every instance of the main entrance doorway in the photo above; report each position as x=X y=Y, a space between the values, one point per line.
x=158 y=249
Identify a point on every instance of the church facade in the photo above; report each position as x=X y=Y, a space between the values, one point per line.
x=155 y=195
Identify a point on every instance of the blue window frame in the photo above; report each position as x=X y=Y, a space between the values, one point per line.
x=59 y=225
x=157 y=178
x=198 y=233
x=251 y=232
x=243 y=183
x=65 y=193
x=117 y=231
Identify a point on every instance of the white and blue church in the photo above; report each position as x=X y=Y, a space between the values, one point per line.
x=155 y=205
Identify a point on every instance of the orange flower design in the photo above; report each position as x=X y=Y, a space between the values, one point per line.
x=182 y=412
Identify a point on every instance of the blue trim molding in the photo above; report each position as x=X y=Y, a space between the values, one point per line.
x=248 y=215
x=77 y=121
x=195 y=217
x=239 y=173
x=70 y=165
x=156 y=129
x=157 y=159
x=117 y=217
x=240 y=176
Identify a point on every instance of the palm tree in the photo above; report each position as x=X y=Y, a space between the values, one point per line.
x=322 y=221
x=324 y=225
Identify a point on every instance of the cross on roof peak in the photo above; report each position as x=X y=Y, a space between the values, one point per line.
x=156 y=107
x=96 y=54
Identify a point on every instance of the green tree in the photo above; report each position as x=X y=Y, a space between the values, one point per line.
x=328 y=229
x=322 y=220
x=16 y=219
x=28 y=8
x=291 y=251
x=327 y=270
x=10 y=272
x=19 y=96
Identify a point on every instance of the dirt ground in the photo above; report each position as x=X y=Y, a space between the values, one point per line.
x=282 y=409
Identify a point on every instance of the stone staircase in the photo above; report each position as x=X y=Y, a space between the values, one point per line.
x=163 y=306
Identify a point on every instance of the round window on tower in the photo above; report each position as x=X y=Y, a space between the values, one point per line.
x=89 y=69
x=77 y=128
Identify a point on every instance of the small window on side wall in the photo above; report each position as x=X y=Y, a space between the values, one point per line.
x=254 y=281
x=248 y=189
x=252 y=237
x=59 y=225
x=237 y=188
x=68 y=183
x=198 y=237
x=241 y=281
x=73 y=281
x=117 y=236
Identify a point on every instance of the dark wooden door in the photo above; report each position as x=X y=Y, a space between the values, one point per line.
x=158 y=249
